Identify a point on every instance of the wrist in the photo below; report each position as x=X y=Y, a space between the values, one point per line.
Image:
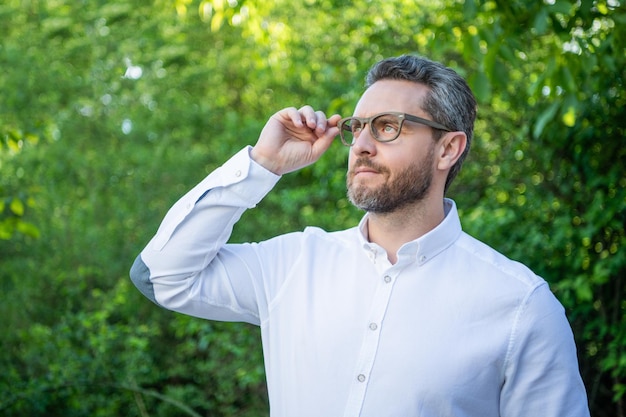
x=267 y=163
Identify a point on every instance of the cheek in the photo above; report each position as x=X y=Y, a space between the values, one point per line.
x=352 y=158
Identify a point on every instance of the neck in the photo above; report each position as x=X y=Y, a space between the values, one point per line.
x=392 y=230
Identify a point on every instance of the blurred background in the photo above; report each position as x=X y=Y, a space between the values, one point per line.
x=111 y=110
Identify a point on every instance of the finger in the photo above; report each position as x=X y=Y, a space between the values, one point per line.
x=321 y=123
x=333 y=120
x=294 y=115
x=309 y=116
x=326 y=126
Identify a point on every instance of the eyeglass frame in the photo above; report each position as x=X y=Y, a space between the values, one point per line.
x=402 y=116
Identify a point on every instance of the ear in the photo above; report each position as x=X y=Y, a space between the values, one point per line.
x=450 y=148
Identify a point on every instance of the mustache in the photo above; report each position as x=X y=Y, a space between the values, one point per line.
x=368 y=163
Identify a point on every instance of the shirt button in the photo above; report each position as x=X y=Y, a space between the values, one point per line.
x=422 y=258
x=387 y=279
x=238 y=173
x=361 y=378
x=373 y=326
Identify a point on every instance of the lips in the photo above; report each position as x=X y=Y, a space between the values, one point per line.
x=364 y=170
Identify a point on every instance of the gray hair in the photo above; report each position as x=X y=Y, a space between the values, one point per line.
x=450 y=100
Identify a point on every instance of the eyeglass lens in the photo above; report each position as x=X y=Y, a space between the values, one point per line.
x=385 y=128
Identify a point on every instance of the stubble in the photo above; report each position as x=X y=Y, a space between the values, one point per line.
x=406 y=187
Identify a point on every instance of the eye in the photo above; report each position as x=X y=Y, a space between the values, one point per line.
x=386 y=126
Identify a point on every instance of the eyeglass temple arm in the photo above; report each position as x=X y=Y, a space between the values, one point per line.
x=427 y=122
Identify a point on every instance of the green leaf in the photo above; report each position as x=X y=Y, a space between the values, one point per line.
x=541 y=21
x=17 y=207
x=544 y=118
x=481 y=86
x=469 y=9
x=28 y=229
x=562 y=6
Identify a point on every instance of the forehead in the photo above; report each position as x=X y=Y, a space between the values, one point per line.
x=392 y=95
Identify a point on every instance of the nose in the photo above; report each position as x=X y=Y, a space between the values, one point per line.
x=364 y=143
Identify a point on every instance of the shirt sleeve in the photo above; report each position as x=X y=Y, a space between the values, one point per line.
x=541 y=371
x=183 y=266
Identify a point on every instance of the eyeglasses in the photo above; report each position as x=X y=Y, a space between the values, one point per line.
x=384 y=127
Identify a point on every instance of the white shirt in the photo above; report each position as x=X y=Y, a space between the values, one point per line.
x=453 y=329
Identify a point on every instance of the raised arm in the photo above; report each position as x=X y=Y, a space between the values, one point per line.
x=185 y=267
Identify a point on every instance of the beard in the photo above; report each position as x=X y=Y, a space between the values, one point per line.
x=410 y=185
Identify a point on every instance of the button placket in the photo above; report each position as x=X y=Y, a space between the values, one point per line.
x=371 y=338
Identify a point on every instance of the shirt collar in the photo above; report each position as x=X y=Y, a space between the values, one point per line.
x=427 y=246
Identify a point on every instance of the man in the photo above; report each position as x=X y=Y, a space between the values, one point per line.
x=404 y=315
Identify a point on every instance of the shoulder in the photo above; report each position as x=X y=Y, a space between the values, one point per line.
x=508 y=283
x=490 y=263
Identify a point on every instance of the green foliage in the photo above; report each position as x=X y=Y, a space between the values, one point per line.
x=14 y=199
x=566 y=186
x=110 y=110
x=89 y=353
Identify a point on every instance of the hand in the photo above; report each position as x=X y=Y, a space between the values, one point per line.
x=293 y=139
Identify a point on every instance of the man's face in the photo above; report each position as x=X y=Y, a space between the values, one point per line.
x=383 y=177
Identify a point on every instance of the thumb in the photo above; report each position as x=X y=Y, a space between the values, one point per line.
x=324 y=141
